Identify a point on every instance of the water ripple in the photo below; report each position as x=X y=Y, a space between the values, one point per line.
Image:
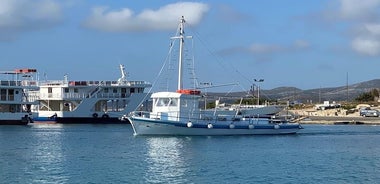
x=110 y=154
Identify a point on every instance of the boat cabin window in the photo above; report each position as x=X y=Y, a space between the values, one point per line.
x=173 y=102
x=105 y=90
x=132 y=90
x=75 y=90
x=167 y=102
x=66 y=90
x=114 y=90
x=50 y=90
x=184 y=103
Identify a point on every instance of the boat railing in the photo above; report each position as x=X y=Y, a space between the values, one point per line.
x=175 y=115
x=247 y=106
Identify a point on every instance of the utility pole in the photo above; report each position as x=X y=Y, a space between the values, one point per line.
x=258 y=89
x=347 y=85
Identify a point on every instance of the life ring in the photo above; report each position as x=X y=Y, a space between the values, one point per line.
x=105 y=116
x=209 y=125
x=189 y=124
x=95 y=115
x=232 y=126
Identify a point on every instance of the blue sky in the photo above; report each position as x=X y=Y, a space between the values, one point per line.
x=304 y=44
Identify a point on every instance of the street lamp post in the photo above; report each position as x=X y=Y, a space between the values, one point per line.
x=205 y=84
x=258 y=89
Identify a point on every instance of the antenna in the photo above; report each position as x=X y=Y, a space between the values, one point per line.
x=123 y=77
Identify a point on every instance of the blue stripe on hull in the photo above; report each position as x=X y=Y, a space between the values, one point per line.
x=145 y=126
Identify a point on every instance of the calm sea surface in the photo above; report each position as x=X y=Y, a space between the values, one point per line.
x=53 y=153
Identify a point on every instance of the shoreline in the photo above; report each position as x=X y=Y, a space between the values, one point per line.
x=340 y=120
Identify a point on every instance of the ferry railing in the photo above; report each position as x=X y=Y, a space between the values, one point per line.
x=108 y=83
x=23 y=83
x=83 y=95
x=94 y=83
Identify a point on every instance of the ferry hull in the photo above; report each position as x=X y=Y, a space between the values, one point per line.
x=145 y=126
x=13 y=122
x=16 y=118
x=82 y=120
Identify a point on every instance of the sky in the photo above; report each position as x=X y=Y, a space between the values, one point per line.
x=303 y=44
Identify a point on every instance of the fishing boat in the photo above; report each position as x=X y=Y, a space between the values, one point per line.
x=15 y=106
x=178 y=113
x=77 y=102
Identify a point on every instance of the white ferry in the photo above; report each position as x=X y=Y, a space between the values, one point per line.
x=80 y=102
x=15 y=105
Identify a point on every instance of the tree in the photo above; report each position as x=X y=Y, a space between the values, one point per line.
x=368 y=96
x=375 y=94
x=210 y=105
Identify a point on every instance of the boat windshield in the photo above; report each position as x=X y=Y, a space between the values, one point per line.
x=167 y=102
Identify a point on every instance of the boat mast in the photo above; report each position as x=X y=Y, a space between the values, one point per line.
x=181 y=42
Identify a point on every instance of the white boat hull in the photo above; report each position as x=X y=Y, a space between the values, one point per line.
x=147 y=126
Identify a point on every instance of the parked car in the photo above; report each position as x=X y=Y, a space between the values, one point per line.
x=370 y=113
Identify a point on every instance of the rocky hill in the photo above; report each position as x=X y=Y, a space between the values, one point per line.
x=341 y=93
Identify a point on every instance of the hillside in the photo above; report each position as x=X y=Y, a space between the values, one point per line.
x=341 y=93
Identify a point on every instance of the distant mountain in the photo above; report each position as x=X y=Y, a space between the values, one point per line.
x=341 y=93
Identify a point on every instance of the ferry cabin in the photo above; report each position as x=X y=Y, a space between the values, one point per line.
x=15 y=106
x=67 y=95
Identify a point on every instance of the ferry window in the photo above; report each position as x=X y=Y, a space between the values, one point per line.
x=75 y=90
x=105 y=90
x=50 y=90
x=114 y=90
x=132 y=90
x=3 y=94
x=66 y=90
x=11 y=94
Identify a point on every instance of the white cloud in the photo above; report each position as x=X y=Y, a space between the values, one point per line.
x=264 y=48
x=23 y=15
x=231 y=15
x=366 y=46
x=163 y=18
x=362 y=16
x=258 y=48
x=373 y=29
x=301 y=44
x=354 y=9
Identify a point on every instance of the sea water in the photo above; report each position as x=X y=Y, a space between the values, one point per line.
x=54 y=153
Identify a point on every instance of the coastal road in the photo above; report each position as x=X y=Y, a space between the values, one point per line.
x=341 y=120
